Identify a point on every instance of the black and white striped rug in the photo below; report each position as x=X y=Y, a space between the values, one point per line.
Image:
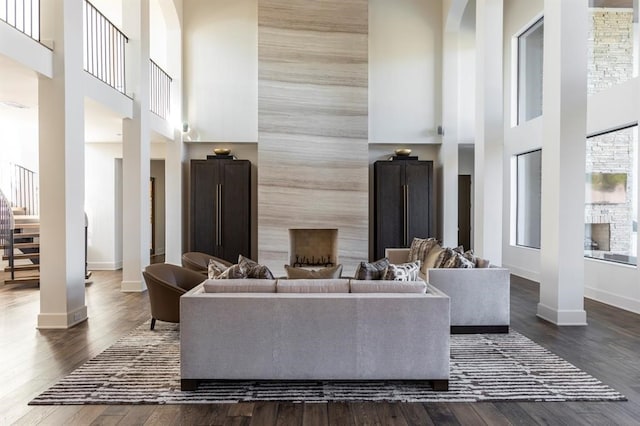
x=144 y=368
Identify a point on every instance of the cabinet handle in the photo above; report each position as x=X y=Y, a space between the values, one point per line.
x=406 y=218
x=219 y=216
x=404 y=215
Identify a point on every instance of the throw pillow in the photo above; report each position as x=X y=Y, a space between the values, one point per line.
x=372 y=271
x=432 y=258
x=403 y=272
x=478 y=262
x=420 y=248
x=444 y=257
x=215 y=269
x=301 y=273
x=233 y=272
x=254 y=269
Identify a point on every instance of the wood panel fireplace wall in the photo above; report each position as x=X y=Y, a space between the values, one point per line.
x=313 y=247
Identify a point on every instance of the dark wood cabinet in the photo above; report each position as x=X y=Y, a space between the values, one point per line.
x=403 y=203
x=220 y=208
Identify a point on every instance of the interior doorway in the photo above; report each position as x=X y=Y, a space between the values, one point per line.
x=464 y=211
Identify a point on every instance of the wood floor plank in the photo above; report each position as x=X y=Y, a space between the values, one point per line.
x=289 y=414
x=241 y=409
x=163 y=415
x=365 y=413
x=441 y=414
x=490 y=414
x=137 y=415
x=415 y=414
x=466 y=415
x=340 y=414
x=264 y=414
x=315 y=415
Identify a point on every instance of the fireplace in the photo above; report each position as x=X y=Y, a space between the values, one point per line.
x=597 y=236
x=313 y=247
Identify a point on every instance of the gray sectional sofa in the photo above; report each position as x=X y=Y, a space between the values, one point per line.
x=314 y=330
x=480 y=297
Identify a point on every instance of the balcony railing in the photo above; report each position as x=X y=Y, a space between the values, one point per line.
x=104 y=46
x=160 y=91
x=24 y=15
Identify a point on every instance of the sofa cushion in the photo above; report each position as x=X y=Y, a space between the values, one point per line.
x=246 y=285
x=254 y=269
x=233 y=272
x=403 y=272
x=334 y=285
x=385 y=286
x=301 y=273
x=372 y=271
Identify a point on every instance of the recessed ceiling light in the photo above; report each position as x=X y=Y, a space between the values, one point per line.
x=12 y=104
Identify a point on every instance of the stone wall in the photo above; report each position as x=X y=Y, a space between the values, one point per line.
x=610 y=62
x=610 y=48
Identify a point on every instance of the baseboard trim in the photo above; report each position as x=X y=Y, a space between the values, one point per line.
x=62 y=320
x=479 y=329
x=524 y=273
x=622 y=302
x=562 y=317
x=133 y=286
x=104 y=266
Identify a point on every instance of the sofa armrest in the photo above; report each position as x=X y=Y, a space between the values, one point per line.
x=397 y=255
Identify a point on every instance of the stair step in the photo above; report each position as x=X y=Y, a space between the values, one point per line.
x=24 y=280
x=23 y=256
x=26 y=245
x=23 y=268
x=26 y=225
x=26 y=235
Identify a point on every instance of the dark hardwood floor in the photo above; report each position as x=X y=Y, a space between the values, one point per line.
x=32 y=360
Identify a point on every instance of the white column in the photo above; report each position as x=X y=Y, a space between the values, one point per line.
x=136 y=157
x=488 y=192
x=61 y=147
x=175 y=155
x=452 y=15
x=563 y=162
x=175 y=199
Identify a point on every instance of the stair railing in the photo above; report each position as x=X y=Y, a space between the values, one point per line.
x=104 y=48
x=23 y=15
x=24 y=189
x=160 y=91
x=7 y=225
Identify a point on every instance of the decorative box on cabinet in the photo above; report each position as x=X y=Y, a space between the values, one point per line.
x=220 y=207
x=403 y=203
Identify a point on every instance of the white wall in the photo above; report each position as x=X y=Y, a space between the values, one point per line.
x=221 y=69
x=405 y=62
x=467 y=68
x=100 y=197
x=103 y=204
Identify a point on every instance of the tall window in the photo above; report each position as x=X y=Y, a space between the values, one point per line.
x=611 y=196
x=529 y=180
x=530 y=51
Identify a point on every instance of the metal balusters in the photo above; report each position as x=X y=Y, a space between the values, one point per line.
x=160 y=102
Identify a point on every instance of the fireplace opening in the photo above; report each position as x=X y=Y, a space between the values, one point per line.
x=597 y=236
x=313 y=247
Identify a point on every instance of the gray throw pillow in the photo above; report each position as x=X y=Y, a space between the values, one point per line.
x=372 y=271
x=233 y=272
x=301 y=273
x=254 y=269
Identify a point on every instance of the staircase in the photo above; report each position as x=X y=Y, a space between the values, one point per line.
x=21 y=248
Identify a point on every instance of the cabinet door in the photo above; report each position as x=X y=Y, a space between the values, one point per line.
x=204 y=184
x=418 y=178
x=389 y=206
x=235 y=210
